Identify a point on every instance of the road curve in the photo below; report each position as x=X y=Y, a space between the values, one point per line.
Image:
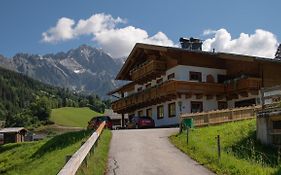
x=149 y=152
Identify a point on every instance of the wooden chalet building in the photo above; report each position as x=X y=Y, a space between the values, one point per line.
x=167 y=81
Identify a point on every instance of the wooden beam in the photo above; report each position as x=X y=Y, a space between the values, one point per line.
x=244 y=94
x=219 y=97
x=199 y=96
x=187 y=96
x=254 y=92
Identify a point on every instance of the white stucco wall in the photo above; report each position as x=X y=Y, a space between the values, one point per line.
x=262 y=130
x=182 y=74
x=186 y=103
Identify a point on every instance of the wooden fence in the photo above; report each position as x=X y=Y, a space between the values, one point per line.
x=73 y=164
x=221 y=116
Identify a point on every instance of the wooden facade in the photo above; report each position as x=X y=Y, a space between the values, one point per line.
x=244 y=75
x=13 y=135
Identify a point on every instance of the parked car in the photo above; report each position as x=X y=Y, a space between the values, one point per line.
x=141 y=122
x=95 y=122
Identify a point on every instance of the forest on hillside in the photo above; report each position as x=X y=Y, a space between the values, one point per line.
x=28 y=102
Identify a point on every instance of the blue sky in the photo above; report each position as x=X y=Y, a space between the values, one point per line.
x=24 y=22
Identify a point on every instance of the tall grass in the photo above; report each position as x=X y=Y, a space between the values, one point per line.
x=42 y=157
x=97 y=161
x=241 y=153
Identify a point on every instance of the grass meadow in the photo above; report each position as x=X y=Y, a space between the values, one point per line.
x=241 y=153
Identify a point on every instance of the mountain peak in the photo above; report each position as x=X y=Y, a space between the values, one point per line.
x=84 y=68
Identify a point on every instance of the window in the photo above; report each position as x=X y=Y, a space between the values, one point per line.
x=172 y=109
x=210 y=79
x=140 y=113
x=171 y=76
x=222 y=105
x=149 y=112
x=148 y=85
x=244 y=103
x=159 y=81
x=160 y=112
x=276 y=124
x=222 y=78
x=139 y=89
x=195 y=76
x=196 y=106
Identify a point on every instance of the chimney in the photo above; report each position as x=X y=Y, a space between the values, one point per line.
x=191 y=43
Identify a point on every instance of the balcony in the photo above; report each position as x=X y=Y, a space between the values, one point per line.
x=148 y=71
x=243 y=85
x=166 y=91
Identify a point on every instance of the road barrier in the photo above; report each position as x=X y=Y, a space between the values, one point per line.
x=75 y=161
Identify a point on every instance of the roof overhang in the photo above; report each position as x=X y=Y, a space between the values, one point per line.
x=123 y=88
x=140 y=51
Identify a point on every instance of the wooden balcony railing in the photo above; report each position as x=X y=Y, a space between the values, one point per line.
x=149 y=71
x=246 y=84
x=221 y=116
x=167 y=90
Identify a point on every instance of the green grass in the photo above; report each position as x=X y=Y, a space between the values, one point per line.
x=70 y=116
x=241 y=153
x=97 y=162
x=42 y=157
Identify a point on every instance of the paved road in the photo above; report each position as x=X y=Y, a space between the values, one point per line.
x=149 y=152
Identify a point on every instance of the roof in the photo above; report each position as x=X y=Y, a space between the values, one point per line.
x=128 y=85
x=12 y=130
x=140 y=49
x=113 y=115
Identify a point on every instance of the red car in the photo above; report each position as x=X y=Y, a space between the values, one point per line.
x=95 y=122
x=141 y=122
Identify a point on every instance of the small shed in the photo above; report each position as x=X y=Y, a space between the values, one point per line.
x=269 y=118
x=13 y=135
x=269 y=127
x=116 y=118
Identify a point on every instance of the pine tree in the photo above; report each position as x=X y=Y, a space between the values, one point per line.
x=278 y=52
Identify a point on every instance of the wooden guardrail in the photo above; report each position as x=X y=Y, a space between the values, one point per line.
x=73 y=164
x=221 y=116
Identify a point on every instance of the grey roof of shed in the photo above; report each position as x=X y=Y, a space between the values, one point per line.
x=113 y=115
x=12 y=130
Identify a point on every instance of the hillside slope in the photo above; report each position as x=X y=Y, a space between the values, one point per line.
x=241 y=153
x=42 y=157
x=70 y=116
x=21 y=97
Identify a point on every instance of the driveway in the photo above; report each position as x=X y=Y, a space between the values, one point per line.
x=149 y=152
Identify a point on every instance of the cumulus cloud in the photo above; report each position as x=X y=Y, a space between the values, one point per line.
x=261 y=43
x=118 y=42
x=61 y=32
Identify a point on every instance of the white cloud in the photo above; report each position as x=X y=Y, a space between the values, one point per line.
x=118 y=42
x=261 y=43
x=63 y=31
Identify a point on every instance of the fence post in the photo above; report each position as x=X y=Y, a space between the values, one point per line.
x=187 y=134
x=97 y=142
x=180 y=130
x=278 y=155
x=219 y=147
x=67 y=157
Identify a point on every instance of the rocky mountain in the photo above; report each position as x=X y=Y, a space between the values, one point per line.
x=84 y=69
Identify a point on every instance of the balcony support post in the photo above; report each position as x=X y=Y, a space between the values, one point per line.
x=123 y=120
